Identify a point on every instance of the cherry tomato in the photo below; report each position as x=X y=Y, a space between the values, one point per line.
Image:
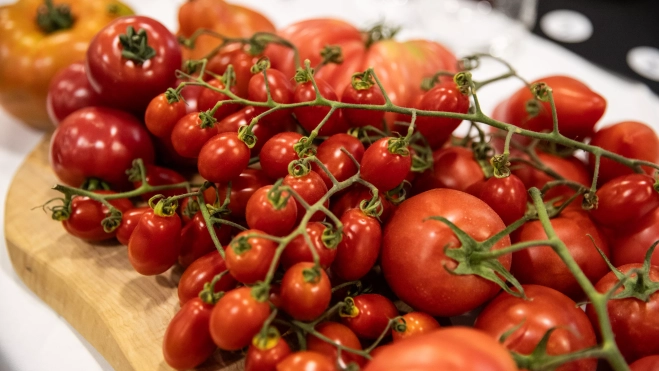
x=311 y=188
x=158 y=176
x=339 y=164
x=101 y=143
x=298 y=250
x=129 y=220
x=208 y=98
x=416 y=323
x=249 y=259
x=630 y=139
x=189 y=135
x=624 y=200
x=307 y=361
x=243 y=117
x=370 y=315
x=362 y=94
x=281 y=91
x=413 y=259
x=223 y=158
x=383 y=168
x=507 y=196
x=453 y=167
x=545 y=309
x=310 y=117
x=277 y=153
x=70 y=91
x=242 y=189
x=267 y=358
x=305 y=296
x=236 y=318
x=360 y=246
x=630 y=244
x=274 y=215
x=340 y=334
x=202 y=271
x=161 y=116
x=570 y=168
x=155 y=243
x=196 y=241
x=87 y=214
x=353 y=197
x=123 y=71
x=648 y=363
x=237 y=55
x=187 y=341
x=445 y=96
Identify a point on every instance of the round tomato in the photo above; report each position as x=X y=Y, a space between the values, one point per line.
x=570 y=168
x=385 y=168
x=187 y=341
x=249 y=259
x=310 y=116
x=236 y=318
x=507 y=196
x=307 y=361
x=338 y=163
x=266 y=358
x=299 y=251
x=271 y=213
x=311 y=188
x=359 y=247
x=161 y=115
x=155 y=243
x=196 y=241
x=305 y=291
x=223 y=158
x=645 y=364
x=242 y=189
x=416 y=323
x=445 y=96
x=200 y=272
x=624 y=200
x=339 y=334
x=87 y=214
x=364 y=92
x=70 y=91
x=281 y=91
x=354 y=195
x=453 y=167
x=190 y=134
x=369 y=316
x=262 y=131
x=277 y=153
x=208 y=98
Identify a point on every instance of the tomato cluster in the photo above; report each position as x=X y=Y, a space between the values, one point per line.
x=333 y=208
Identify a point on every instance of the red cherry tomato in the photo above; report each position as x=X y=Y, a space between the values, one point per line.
x=340 y=334
x=196 y=241
x=188 y=135
x=382 y=168
x=363 y=95
x=337 y=162
x=630 y=244
x=309 y=117
x=127 y=82
x=275 y=216
x=277 y=153
x=155 y=243
x=353 y=197
x=307 y=361
x=243 y=117
x=624 y=200
x=242 y=60
x=416 y=323
x=70 y=91
x=298 y=250
x=236 y=318
x=249 y=259
x=302 y=296
x=370 y=315
x=187 y=342
x=360 y=246
x=311 y=188
x=202 y=271
x=157 y=176
x=223 y=158
x=453 y=167
x=242 y=189
x=87 y=214
x=645 y=364
x=445 y=96
x=507 y=196
x=161 y=116
x=281 y=91
x=129 y=220
x=570 y=168
x=208 y=98
x=267 y=358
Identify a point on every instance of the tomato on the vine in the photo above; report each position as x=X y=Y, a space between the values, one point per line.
x=161 y=115
x=311 y=188
x=155 y=244
x=310 y=116
x=337 y=162
x=416 y=323
x=190 y=134
x=242 y=189
x=305 y=291
x=340 y=334
x=359 y=247
x=624 y=200
x=277 y=153
x=159 y=176
x=306 y=360
x=223 y=158
x=129 y=220
x=87 y=214
x=453 y=167
x=243 y=117
x=630 y=244
x=273 y=212
x=267 y=357
x=369 y=315
x=196 y=240
x=249 y=258
x=187 y=341
x=386 y=163
x=208 y=98
x=281 y=91
x=362 y=92
x=507 y=196
x=202 y=271
x=299 y=251
x=236 y=318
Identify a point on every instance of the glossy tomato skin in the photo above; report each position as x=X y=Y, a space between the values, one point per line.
x=155 y=243
x=570 y=168
x=223 y=158
x=382 y=168
x=630 y=244
x=124 y=83
x=412 y=250
x=635 y=323
x=624 y=200
x=236 y=318
x=277 y=153
x=298 y=251
x=129 y=220
x=243 y=117
x=645 y=364
x=630 y=139
x=445 y=96
x=373 y=314
x=338 y=163
x=540 y=265
x=262 y=214
x=70 y=91
x=281 y=91
x=507 y=196
x=443 y=349
x=253 y=264
x=158 y=176
x=188 y=136
x=453 y=167
x=187 y=342
x=208 y=98
x=307 y=361
x=86 y=216
x=310 y=117
x=238 y=56
x=200 y=272
x=161 y=116
x=311 y=188
x=545 y=309
x=196 y=241
x=360 y=246
x=242 y=189
x=258 y=359
x=352 y=198
x=75 y=153
x=362 y=117
x=305 y=301
x=416 y=323
x=340 y=334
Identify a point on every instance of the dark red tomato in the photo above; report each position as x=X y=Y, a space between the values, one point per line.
x=188 y=135
x=249 y=259
x=242 y=189
x=363 y=95
x=129 y=220
x=630 y=244
x=546 y=309
x=307 y=361
x=101 y=143
x=223 y=158
x=161 y=116
x=267 y=358
x=130 y=82
x=303 y=300
x=338 y=163
x=196 y=241
x=86 y=216
x=635 y=323
x=443 y=349
x=360 y=246
x=199 y=273
x=155 y=243
x=382 y=168
x=578 y=108
x=540 y=265
x=243 y=117
x=239 y=56
x=310 y=117
x=208 y=98
x=370 y=315
x=354 y=196
x=416 y=323
x=281 y=91
x=453 y=167
x=159 y=176
x=630 y=139
x=413 y=249
x=447 y=97
x=277 y=153
x=236 y=318
x=339 y=334
x=190 y=93
x=648 y=363
x=166 y=154
x=311 y=188
x=187 y=342
x=70 y=91
x=624 y=200
x=298 y=251
x=272 y=216
x=570 y=168
x=507 y=196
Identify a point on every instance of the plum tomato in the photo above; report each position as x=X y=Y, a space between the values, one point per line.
x=359 y=247
x=200 y=272
x=155 y=244
x=416 y=323
x=86 y=215
x=340 y=334
x=298 y=250
x=236 y=318
x=223 y=158
x=339 y=164
x=383 y=167
x=187 y=341
x=368 y=315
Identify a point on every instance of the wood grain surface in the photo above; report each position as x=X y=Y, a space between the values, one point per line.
x=93 y=286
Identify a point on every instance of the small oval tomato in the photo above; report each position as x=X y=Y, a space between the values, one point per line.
x=277 y=153
x=242 y=189
x=384 y=168
x=310 y=116
x=645 y=364
x=266 y=358
x=187 y=341
x=570 y=168
x=189 y=135
x=360 y=246
x=445 y=96
x=237 y=55
x=354 y=195
x=416 y=323
x=223 y=158
x=307 y=361
x=70 y=91
x=158 y=176
x=370 y=315
x=624 y=200
x=311 y=188
x=507 y=196
x=281 y=91
x=338 y=163
x=200 y=272
x=161 y=115
x=273 y=213
x=339 y=334
x=243 y=117
x=129 y=220
x=249 y=259
x=545 y=309
x=196 y=240
x=208 y=98
x=87 y=214
x=155 y=243
x=299 y=251
x=236 y=318
x=630 y=244
x=453 y=167
x=363 y=94
x=305 y=291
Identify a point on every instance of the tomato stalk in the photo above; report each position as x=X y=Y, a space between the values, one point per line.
x=51 y=18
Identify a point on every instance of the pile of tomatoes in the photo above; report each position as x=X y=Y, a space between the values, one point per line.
x=324 y=236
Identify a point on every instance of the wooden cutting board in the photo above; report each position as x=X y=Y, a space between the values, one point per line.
x=93 y=286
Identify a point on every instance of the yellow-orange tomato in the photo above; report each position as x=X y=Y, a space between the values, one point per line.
x=32 y=50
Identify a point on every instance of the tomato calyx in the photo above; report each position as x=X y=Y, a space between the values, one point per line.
x=331 y=54
x=331 y=236
x=172 y=95
x=399 y=325
x=349 y=310
x=208 y=294
x=135 y=45
x=95 y=184
x=590 y=200
x=636 y=283
x=260 y=292
x=240 y=245
x=373 y=207
x=500 y=165
x=276 y=196
x=246 y=135
x=541 y=91
x=380 y=32
x=304 y=148
x=397 y=195
x=464 y=82
x=303 y=75
x=655 y=186
x=539 y=359
x=51 y=18
x=260 y=66
x=311 y=275
x=61 y=212
x=362 y=80
x=421 y=159
x=429 y=82
x=164 y=207
x=299 y=168
x=398 y=146
x=206 y=119
x=268 y=340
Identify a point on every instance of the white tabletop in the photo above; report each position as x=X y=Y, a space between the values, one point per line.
x=33 y=337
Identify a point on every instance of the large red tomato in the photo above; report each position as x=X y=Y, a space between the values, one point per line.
x=413 y=258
